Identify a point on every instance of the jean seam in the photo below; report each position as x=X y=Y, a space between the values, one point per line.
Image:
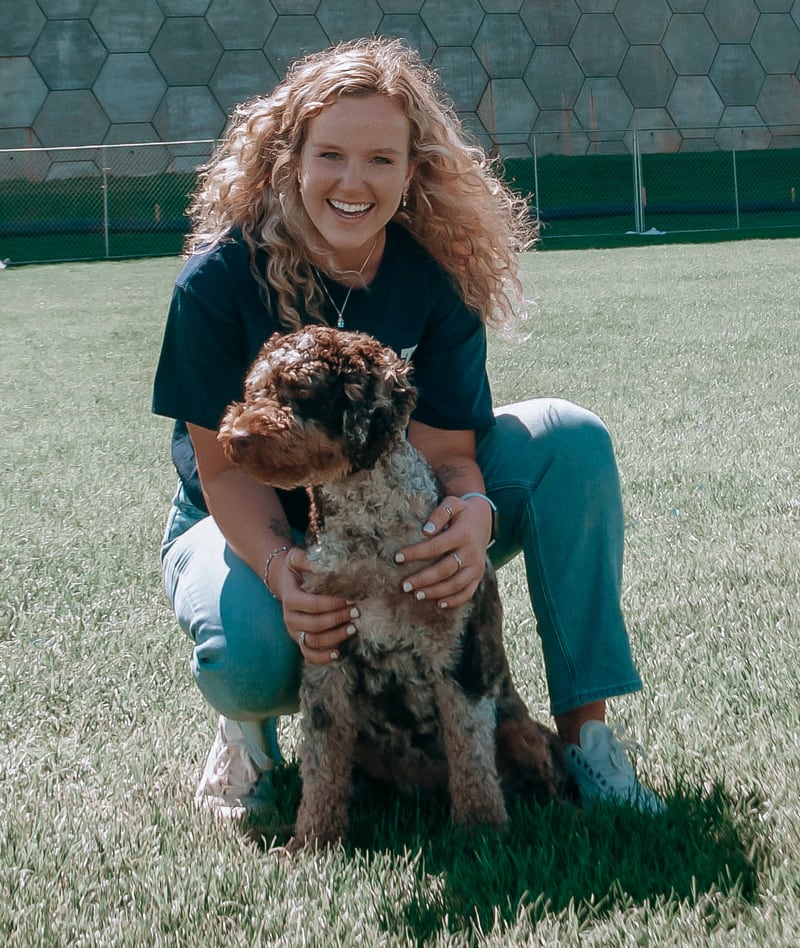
x=547 y=600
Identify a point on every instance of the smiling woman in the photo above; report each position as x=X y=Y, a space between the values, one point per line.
x=351 y=195
x=354 y=170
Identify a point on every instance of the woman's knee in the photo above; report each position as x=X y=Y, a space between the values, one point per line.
x=571 y=426
x=246 y=671
x=533 y=437
x=243 y=661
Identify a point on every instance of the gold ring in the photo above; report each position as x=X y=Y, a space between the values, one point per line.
x=458 y=561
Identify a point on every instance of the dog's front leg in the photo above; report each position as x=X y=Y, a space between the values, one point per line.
x=468 y=730
x=326 y=758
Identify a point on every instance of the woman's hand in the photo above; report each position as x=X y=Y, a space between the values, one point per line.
x=319 y=624
x=459 y=532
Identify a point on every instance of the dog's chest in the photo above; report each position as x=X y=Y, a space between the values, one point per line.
x=364 y=520
x=393 y=699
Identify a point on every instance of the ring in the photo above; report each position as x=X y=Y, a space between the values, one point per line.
x=301 y=640
x=449 y=512
x=458 y=560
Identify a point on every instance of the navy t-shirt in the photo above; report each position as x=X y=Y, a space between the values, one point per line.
x=218 y=321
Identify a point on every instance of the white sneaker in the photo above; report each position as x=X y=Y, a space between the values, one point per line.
x=603 y=772
x=236 y=780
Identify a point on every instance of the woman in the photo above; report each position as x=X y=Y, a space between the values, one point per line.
x=349 y=195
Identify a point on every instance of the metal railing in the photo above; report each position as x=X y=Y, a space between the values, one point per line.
x=115 y=201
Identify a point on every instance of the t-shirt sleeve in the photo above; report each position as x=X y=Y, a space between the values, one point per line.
x=450 y=369
x=204 y=353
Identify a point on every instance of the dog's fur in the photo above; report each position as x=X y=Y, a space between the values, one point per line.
x=421 y=696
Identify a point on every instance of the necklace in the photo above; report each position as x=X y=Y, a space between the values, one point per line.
x=340 y=310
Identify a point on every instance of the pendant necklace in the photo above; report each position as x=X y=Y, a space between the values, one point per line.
x=340 y=310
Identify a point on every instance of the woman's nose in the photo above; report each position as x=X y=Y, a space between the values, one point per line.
x=352 y=176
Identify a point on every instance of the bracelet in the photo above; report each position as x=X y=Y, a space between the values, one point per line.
x=278 y=550
x=490 y=502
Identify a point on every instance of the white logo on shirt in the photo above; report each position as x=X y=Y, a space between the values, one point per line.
x=405 y=354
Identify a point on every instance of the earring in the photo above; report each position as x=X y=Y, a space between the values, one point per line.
x=404 y=201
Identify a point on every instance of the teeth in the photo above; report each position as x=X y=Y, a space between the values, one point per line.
x=350 y=208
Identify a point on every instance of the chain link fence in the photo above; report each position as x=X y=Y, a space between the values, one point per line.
x=729 y=185
x=116 y=201
x=96 y=202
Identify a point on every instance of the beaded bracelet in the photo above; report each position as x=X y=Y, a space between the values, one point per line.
x=278 y=550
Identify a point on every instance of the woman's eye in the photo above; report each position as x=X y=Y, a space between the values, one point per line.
x=330 y=155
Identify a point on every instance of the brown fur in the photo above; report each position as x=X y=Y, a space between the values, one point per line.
x=421 y=697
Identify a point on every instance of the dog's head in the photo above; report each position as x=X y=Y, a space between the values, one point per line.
x=319 y=404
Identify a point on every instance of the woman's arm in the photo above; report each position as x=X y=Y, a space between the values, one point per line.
x=252 y=520
x=459 y=530
x=249 y=514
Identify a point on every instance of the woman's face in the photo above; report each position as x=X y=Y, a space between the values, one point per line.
x=353 y=168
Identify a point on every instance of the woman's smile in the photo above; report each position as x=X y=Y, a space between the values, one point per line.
x=349 y=210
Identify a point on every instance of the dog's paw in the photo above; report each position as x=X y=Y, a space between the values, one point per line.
x=311 y=842
x=489 y=813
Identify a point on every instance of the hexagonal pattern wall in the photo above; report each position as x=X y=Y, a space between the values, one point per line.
x=568 y=76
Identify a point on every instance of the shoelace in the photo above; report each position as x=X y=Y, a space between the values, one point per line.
x=620 y=745
x=624 y=744
x=235 y=762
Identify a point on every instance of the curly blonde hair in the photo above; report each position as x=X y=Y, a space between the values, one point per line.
x=457 y=206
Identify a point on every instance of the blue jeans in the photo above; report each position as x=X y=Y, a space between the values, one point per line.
x=549 y=467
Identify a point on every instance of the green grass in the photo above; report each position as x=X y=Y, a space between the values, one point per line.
x=690 y=354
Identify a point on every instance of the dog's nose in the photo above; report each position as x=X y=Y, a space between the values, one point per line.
x=237 y=442
x=240 y=437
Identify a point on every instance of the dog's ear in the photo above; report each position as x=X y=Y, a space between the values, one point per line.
x=380 y=400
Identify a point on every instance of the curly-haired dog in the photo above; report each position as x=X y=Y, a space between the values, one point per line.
x=421 y=697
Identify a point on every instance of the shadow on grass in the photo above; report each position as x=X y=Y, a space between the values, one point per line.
x=549 y=859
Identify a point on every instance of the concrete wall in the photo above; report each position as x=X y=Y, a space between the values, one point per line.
x=76 y=72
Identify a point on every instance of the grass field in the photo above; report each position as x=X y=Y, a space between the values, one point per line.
x=691 y=355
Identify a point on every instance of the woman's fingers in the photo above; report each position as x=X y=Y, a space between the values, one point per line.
x=456 y=551
x=317 y=628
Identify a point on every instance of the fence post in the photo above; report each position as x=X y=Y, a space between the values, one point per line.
x=735 y=183
x=536 y=185
x=104 y=188
x=638 y=206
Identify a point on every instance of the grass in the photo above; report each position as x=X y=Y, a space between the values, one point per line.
x=690 y=354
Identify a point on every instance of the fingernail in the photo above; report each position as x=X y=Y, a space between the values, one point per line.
x=429 y=527
x=407 y=587
x=350 y=602
x=399 y=558
x=334 y=656
x=442 y=605
x=354 y=613
x=421 y=594
x=351 y=629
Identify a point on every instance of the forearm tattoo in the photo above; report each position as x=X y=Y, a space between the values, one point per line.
x=280 y=528
x=449 y=475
